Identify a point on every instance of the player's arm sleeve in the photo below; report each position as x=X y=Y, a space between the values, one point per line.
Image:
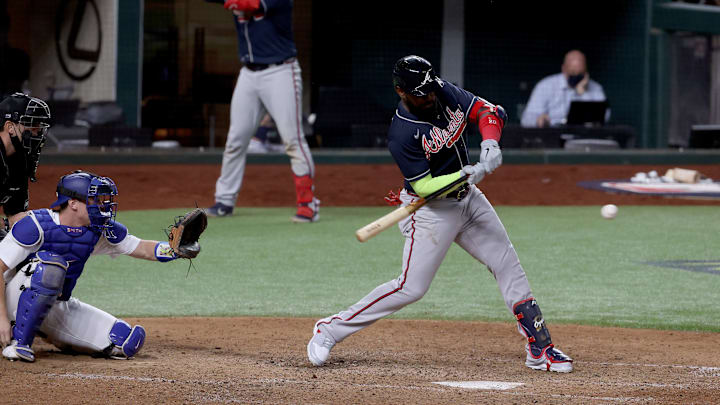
x=536 y=105
x=429 y=184
x=490 y=118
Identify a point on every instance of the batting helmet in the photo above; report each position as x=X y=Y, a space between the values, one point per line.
x=95 y=191
x=415 y=75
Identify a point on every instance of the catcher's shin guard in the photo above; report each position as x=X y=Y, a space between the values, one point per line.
x=126 y=341
x=46 y=281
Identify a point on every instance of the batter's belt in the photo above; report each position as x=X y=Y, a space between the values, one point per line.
x=256 y=67
x=460 y=193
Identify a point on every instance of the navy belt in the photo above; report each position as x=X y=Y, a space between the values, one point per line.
x=460 y=193
x=256 y=67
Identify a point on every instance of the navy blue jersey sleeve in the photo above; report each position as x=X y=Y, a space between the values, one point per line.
x=409 y=155
x=271 y=5
x=452 y=95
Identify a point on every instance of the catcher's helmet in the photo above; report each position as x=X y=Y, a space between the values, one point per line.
x=33 y=114
x=95 y=191
x=415 y=75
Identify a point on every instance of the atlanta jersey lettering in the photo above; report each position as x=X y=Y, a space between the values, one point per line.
x=438 y=146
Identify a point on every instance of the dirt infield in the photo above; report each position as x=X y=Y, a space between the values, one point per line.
x=262 y=360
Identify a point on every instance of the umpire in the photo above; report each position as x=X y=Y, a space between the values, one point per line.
x=25 y=122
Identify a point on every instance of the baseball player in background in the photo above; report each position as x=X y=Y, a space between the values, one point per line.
x=25 y=122
x=44 y=255
x=427 y=141
x=269 y=81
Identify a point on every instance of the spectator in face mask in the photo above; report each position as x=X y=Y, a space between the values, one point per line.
x=550 y=99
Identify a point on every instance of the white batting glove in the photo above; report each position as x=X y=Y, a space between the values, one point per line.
x=490 y=155
x=474 y=172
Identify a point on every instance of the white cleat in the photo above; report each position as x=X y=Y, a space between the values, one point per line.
x=18 y=352
x=318 y=349
x=547 y=359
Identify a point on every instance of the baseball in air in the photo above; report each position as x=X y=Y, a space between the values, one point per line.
x=609 y=211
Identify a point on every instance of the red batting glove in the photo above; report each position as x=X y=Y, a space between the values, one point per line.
x=246 y=6
x=393 y=198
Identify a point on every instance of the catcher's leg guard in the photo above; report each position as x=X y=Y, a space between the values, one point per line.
x=126 y=341
x=541 y=353
x=46 y=282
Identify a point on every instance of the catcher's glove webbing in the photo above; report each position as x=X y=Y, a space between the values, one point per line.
x=184 y=234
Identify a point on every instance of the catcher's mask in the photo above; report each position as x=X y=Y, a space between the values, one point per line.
x=97 y=192
x=415 y=75
x=32 y=119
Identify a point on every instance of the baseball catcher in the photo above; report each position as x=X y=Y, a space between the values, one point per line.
x=45 y=254
x=184 y=234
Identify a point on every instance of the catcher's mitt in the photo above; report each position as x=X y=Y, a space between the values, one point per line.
x=184 y=235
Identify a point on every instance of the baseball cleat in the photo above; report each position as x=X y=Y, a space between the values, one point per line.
x=14 y=351
x=547 y=359
x=219 y=210
x=318 y=349
x=307 y=212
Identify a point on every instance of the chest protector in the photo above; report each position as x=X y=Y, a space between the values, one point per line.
x=74 y=244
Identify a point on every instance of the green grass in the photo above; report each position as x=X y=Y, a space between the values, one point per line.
x=582 y=268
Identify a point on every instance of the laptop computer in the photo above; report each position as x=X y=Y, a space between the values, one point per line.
x=590 y=113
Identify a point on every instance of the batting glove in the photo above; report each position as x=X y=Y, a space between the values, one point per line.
x=490 y=155
x=246 y=6
x=474 y=172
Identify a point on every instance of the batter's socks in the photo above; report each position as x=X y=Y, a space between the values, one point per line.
x=307 y=204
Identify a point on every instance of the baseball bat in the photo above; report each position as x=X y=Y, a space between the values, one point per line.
x=392 y=218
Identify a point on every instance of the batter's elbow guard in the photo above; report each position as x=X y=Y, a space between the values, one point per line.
x=502 y=114
x=126 y=341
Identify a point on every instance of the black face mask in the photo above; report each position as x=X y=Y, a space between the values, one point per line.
x=33 y=146
x=29 y=149
x=575 y=79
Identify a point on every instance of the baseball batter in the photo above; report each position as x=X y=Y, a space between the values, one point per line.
x=428 y=143
x=269 y=81
x=44 y=255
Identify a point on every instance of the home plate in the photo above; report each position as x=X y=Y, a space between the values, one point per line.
x=481 y=385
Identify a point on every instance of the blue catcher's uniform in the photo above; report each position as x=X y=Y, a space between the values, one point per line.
x=434 y=147
x=74 y=244
x=39 y=295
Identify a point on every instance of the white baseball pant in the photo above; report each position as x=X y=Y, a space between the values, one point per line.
x=69 y=324
x=473 y=224
x=277 y=90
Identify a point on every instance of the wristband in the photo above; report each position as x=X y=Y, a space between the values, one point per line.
x=164 y=253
